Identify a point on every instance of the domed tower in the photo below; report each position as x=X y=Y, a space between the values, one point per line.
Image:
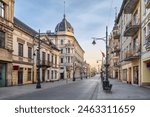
x=64 y=26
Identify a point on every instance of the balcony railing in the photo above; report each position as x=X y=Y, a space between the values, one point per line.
x=45 y=63
x=23 y=60
x=116 y=49
x=132 y=54
x=148 y=4
x=116 y=64
x=116 y=33
x=131 y=28
x=130 y=6
x=147 y=42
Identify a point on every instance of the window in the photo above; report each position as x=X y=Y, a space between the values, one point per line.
x=61 y=41
x=52 y=74
x=29 y=74
x=2 y=39
x=61 y=51
x=2 y=9
x=20 y=50
x=69 y=59
x=135 y=43
x=52 y=58
x=55 y=74
x=48 y=74
x=30 y=52
x=68 y=50
x=48 y=56
x=56 y=60
x=144 y=34
x=43 y=57
x=145 y=9
x=62 y=60
x=136 y=18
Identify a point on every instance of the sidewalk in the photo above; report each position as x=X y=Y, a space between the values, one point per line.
x=6 y=92
x=123 y=91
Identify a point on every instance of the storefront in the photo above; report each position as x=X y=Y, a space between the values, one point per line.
x=2 y=74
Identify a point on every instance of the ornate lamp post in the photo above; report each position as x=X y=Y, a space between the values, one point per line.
x=38 y=85
x=106 y=84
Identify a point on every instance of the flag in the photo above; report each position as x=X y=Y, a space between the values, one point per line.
x=103 y=54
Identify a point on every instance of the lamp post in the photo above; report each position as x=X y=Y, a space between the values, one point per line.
x=105 y=81
x=106 y=41
x=38 y=85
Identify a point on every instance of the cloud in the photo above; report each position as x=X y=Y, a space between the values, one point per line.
x=88 y=18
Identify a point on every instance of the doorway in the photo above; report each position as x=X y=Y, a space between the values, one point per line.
x=43 y=75
x=20 y=76
x=61 y=75
x=2 y=75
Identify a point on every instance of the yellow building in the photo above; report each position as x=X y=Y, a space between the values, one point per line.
x=6 y=44
x=145 y=58
x=129 y=26
x=25 y=46
x=23 y=40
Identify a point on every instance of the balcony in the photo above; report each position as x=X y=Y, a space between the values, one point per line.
x=131 y=29
x=116 y=49
x=131 y=55
x=130 y=6
x=22 y=60
x=147 y=47
x=116 y=33
x=116 y=64
x=45 y=64
x=148 y=4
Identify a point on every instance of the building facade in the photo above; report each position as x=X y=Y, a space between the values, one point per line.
x=25 y=57
x=114 y=51
x=6 y=41
x=133 y=26
x=72 y=55
x=127 y=31
x=145 y=43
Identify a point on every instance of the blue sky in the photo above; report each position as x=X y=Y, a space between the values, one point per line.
x=88 y=18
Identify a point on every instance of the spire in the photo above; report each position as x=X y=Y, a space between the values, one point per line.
x=64 y=9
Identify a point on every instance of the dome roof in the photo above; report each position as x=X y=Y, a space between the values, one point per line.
x=64 y=25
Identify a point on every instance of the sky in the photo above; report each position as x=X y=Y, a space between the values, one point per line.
x=88 y=18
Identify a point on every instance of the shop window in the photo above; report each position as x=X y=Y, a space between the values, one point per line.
x=29 y=74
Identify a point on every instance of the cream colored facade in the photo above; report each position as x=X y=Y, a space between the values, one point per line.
x=114 y=51
x=49 y=56
x=22 y=64
x=72 y=55
x=128 y=25
x=6 y=44
x=145 y=29
x=25 y=46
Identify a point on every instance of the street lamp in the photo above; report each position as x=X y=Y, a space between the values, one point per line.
x=106 y=84
x=38 y=85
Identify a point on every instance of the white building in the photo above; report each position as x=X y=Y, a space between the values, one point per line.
x=72 y=54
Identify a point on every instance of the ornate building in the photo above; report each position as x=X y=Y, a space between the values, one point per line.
x=6 y=41
x=72 y=55
x=25 y=46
